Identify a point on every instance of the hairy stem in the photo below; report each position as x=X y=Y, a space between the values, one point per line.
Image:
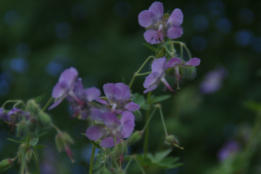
x=47 y=104
x=150 y=117
x=146 y=139
x=163 y=122
x=92 y=157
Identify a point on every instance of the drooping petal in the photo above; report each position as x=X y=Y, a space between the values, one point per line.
x=78 y=88
x=173 y=62
x=125 y=91
x=164 y=81
x=111 y=91
x=69 y=75
x=193 y=62
x=158 y=65
x=92 y=93
x=58 y=91
x=101 y=101
x=151 y=88
x=94 y=133
x=151 y=79
x=153 y=36
x=131 y=106
x=176 y=18
x=145 y=18
x=55 y=104
x=127 y=124
x=96 y=114
x=174 y=32
x=157 y=9
x=107 y=142
x=110 y=120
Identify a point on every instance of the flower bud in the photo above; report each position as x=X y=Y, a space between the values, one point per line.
x=5 y=164
x=62 y=141
x=60 y=145
x=44 y=120
x=32 y=125
x=122 y=147
x=135 y=137
x=171 y=140
x=22 y=129
x=29 y=155
x=33 y=108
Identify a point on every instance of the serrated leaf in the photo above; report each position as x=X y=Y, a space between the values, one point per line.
x=150 y=47
x=253 y=106
x=34 y=141
x=159 y=98
x=16 y=141
x=39 y=98
x=39 y=147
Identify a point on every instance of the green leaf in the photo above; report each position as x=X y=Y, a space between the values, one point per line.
x=138 y=99
x=137 y=114
x=42 y=134
x=34 y=141
x=123 y=80
x=150 y=47
x=253 y=106
x=16 y=141
x=39 y=147
x=39 y=98
x=159 y=98
x=161 y=155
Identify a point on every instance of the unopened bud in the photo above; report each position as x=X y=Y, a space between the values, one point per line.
x=32 y=125
x=171 y=140
x=29 y=155
x=135 y=137
x=62 y=141
x=5 y=164
x=33 y=108
x=60 y=144
x=122 y=147
x=22 y=129
x=44 y=120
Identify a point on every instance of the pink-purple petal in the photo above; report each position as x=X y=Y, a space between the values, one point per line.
x=175 y=32
x=153 y=36
x=101 y=101
x=92 y=93
x=111 y=91
x=94 y=133
x=173 y=62
x=150 y=88
x=110 y=120
x=127 y=123
x=58 y=91
x=193 y=62
x=131 y=106
x=157 y=9
x=145 y=18
x=125 y=91
x=151 y=79
x=107 y=142
x=55 y=104
x=158 y=65
x=96 y=114
x=176 y=18
x=69 y=75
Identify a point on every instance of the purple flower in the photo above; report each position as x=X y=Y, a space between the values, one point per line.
x=213 y=80
x=159 y=25
x=157 y=75
x=114 y=129
x=118 y=95
x=4 y=116
x=228 y=150
x=64 y=86
x=177 y=63
x=84 y=96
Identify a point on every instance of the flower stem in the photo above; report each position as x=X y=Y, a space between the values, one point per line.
x=92 y=157
x=56 y=128
x=9 y=101
x=135 y=74
x=167 y=50
x=162 y=119
x=183 y=45
x=146 y=139
x=139 y=165
x=128 y=164
x=47 y=104
x=143 y=74
x=151 y=115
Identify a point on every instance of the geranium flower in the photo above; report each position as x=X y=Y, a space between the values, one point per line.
x=114 y=130
x=118 y=97
x=159 y=25
x=64 y=87
x=157 y=75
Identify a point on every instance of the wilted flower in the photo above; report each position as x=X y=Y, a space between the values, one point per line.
x=228 y=150
x=85 y=96
x=159 y=25
x=114 y=129
x=177 y=63
x=213 y=80
x=157 y=75
x=64 y=87
x=118 y=97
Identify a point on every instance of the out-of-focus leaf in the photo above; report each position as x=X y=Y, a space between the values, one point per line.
x=39 y=147
x=161 y=155
x=123 y=80
x=39 y=98
x=140 y=100
x=150 y=47
x=34 y=141
x=137 y=114
x=16 y=141
x=159 y=98
x=253 y=106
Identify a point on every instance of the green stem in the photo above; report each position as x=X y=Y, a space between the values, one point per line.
x=186 y=48
x=146 y=139
x=9 y=101
x=18 y=103
x=147 y=123
x=167 y=50
x=128 y=164
x=47 y=104
x=135 y=74
x=56 y=128
x=143 y=74
x=139 y=166
x=181 y=51
x=36 y=162
x=92 y=157
x=163 y=122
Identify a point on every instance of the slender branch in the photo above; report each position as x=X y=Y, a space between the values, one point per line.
x=56 y=128
x=128 y=164
x=92 y=157
x=139 y=165
x=167 y=50
x=47 y=104
x=186 y=48
x=181 y=51
x=9 y=101
x=135 y=74
x=162 y=119
x=18 y=103
x=143 y=74
x=146 y=139
x=147 y=123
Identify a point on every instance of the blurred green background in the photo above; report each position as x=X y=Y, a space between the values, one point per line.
x=103 y=40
